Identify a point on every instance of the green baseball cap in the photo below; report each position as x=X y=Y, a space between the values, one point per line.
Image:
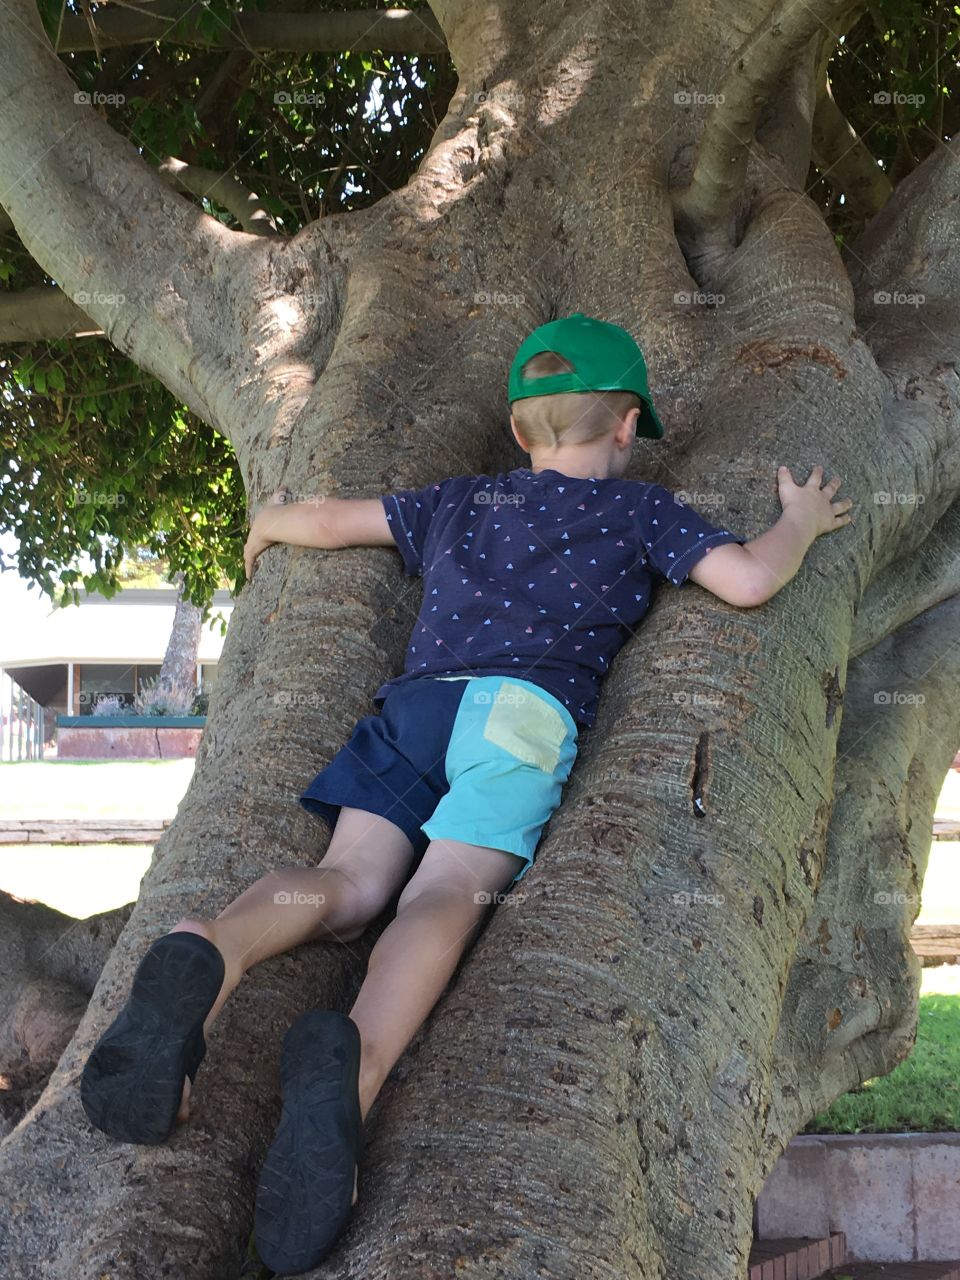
x=605 y=358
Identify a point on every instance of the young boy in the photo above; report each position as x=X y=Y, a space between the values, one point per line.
x=533 y=580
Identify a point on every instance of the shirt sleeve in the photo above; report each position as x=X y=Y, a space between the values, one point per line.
x=410 y=512
x=674 y=535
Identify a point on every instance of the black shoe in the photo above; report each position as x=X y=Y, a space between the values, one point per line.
x=306 y=1184
x=133 y=1080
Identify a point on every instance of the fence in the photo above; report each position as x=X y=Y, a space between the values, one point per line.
x=21 y=723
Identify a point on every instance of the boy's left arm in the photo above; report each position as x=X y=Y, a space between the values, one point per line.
x=749 y=575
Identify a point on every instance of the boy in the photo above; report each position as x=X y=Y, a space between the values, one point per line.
x=532 y=582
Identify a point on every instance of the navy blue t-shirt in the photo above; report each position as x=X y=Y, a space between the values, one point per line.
x=538 y=576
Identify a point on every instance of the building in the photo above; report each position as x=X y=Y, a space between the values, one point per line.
x=65 y=659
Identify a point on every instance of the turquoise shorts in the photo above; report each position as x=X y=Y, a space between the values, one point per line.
x=480 y=759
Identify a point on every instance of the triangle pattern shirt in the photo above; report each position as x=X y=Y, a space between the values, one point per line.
x=540 y=576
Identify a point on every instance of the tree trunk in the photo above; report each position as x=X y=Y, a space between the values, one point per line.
x=177 y=681
x=714 y=940
x=49 y=965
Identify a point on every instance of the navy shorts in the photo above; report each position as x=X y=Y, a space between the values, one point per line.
x=482 y=759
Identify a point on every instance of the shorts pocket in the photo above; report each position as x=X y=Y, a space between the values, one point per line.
x=526 y=725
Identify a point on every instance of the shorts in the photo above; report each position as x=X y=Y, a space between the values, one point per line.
x=482 y=759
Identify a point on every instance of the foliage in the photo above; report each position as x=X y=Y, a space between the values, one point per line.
x=99 y=471
x=896 y=79
x=140 y=568
x=98 y=457
x=153 y=701
x=110 y=704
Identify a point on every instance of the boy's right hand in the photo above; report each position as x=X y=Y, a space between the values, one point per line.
x=257 y=541
x=811 y=504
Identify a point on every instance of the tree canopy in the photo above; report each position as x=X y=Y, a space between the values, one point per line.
x=270 y=118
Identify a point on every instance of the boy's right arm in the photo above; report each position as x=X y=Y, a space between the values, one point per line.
x=321 y=522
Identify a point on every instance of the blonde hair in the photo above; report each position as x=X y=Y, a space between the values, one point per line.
x=569 y=417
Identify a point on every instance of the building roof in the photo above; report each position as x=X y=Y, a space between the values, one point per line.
x=132 y=627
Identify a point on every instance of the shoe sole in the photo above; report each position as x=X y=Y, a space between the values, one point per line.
x=132 y=1083
x=306 y=1184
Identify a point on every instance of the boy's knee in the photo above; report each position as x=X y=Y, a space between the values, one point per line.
x=446 y=895
x=352 y=901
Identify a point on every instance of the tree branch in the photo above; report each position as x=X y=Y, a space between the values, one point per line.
x=246 y=206
x=847 y=1014
x=905 y=268
x=845 y=161
x=384 y=31
x=707 y=204
x=915 y=582
x=43 y=313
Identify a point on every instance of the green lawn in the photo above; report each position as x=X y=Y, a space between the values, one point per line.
x=93 y=788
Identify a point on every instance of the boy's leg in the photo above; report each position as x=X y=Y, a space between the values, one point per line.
x=366 y=862
x=438 y=916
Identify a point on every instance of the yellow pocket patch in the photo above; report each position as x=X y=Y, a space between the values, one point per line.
x=526 y=726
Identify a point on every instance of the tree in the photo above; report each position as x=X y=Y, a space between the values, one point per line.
x=714 y=942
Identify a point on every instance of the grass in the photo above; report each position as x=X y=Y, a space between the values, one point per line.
x=82 y=880
x=93 y=788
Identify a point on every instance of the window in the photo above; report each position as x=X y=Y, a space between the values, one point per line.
x=97 y=682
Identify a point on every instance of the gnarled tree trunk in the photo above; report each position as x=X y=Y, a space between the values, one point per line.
x=713 y=943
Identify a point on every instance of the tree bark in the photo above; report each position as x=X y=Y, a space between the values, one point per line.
x=699 y=962
x=396 y=31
